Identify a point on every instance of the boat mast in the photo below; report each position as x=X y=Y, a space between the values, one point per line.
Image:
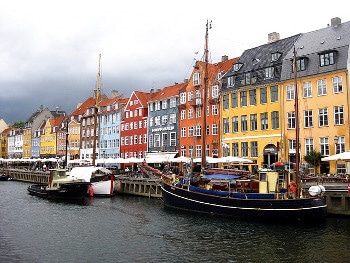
x=204 y=110
x=97 y=92
x=296 y=109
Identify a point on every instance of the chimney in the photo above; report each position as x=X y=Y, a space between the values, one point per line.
x=273 y=37
x=114 y=93
x=336 y=21
x=224 y=58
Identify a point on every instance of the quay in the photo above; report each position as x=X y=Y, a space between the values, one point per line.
x=336 y=195
x=147 y=187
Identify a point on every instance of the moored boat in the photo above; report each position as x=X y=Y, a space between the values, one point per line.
x=60 y=188
x=267 y=198
x=101 y=179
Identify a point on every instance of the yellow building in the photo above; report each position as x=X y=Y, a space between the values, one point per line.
x=251 y=103
x=323 y=97
x=48 y=140
x=74 y=139
x=27 y=142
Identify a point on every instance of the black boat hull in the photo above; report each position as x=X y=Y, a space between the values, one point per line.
x=67 y=191
x=251 y=209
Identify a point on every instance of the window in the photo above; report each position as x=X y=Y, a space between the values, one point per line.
x=338 y=115
x=254 y=149
x=326 y=59
x=182 y=97
x=198 y=151
x=292 y=145
x=269 y=73
x=234 y=100
x=156 y=106
x=226 y=125
x=214 y=110
x=244 y=149
x=301 y=64
x=253 y=122
x=307 y=89
x=309 y=145
x=190 y=131
x=247 y=78
x=337 y=84
x=164 y=139
x=215 y=91
x=252 y=97
x=172 y=118
x=290 y=92
x=243 y=95
x=244 y=123
x=156 y=140
x=183 y=132
x=164 y=104
x=215 y=129
x=340 y=146
x=190 y=113
x=237 y=66
x=274 y=93
x=264 y=121
x=173 y=139
x=263 y=95
x=275 y=120
x=321 y=87
x=308 y=122
x=235 y=151
x=323 y=117
x=196 y=79
x=275 y=56
x=234 y=124
x=183 y=114
x=225 y=102
x=230 y=81
x=324 y=146
x=190 y=95
x=164 y=119
x=172 y=103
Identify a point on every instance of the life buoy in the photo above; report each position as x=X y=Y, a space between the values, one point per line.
x=293 y=186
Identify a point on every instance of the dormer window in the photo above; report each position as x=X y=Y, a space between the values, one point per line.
x=327 y=58
x=301 y=64
x=230 y=81
x=275 y=56
x=196 y=79
x=237 y=66
x=269 y=72
x=255 y=61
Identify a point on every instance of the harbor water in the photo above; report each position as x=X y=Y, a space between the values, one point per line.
x=138 y=229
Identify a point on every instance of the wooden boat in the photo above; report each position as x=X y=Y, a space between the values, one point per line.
x=267 y=198
x=275 y=195
x=60 y=188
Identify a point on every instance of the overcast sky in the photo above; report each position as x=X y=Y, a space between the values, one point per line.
x=49 y=49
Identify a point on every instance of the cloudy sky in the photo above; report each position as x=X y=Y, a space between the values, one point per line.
x=49 y=49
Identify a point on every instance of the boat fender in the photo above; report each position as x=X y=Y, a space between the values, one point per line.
x=292 y=186
x=91 y=191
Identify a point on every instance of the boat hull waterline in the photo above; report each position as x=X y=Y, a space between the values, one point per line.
x=313 y=208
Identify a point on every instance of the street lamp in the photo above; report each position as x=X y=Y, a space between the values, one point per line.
x=336 y=141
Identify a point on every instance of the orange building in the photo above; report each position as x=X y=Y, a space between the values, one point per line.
x=191 y=110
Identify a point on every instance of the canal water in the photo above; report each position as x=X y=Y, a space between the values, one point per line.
x=138 y=229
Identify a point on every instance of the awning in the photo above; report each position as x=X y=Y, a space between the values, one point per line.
x=160 y=157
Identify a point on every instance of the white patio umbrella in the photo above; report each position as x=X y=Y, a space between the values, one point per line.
x=181 y=159
x=234 y=159
x=344 y=156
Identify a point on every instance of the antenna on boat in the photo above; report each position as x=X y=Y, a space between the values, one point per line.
x=296 y=109
x=97 y=99
x=204 y=110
